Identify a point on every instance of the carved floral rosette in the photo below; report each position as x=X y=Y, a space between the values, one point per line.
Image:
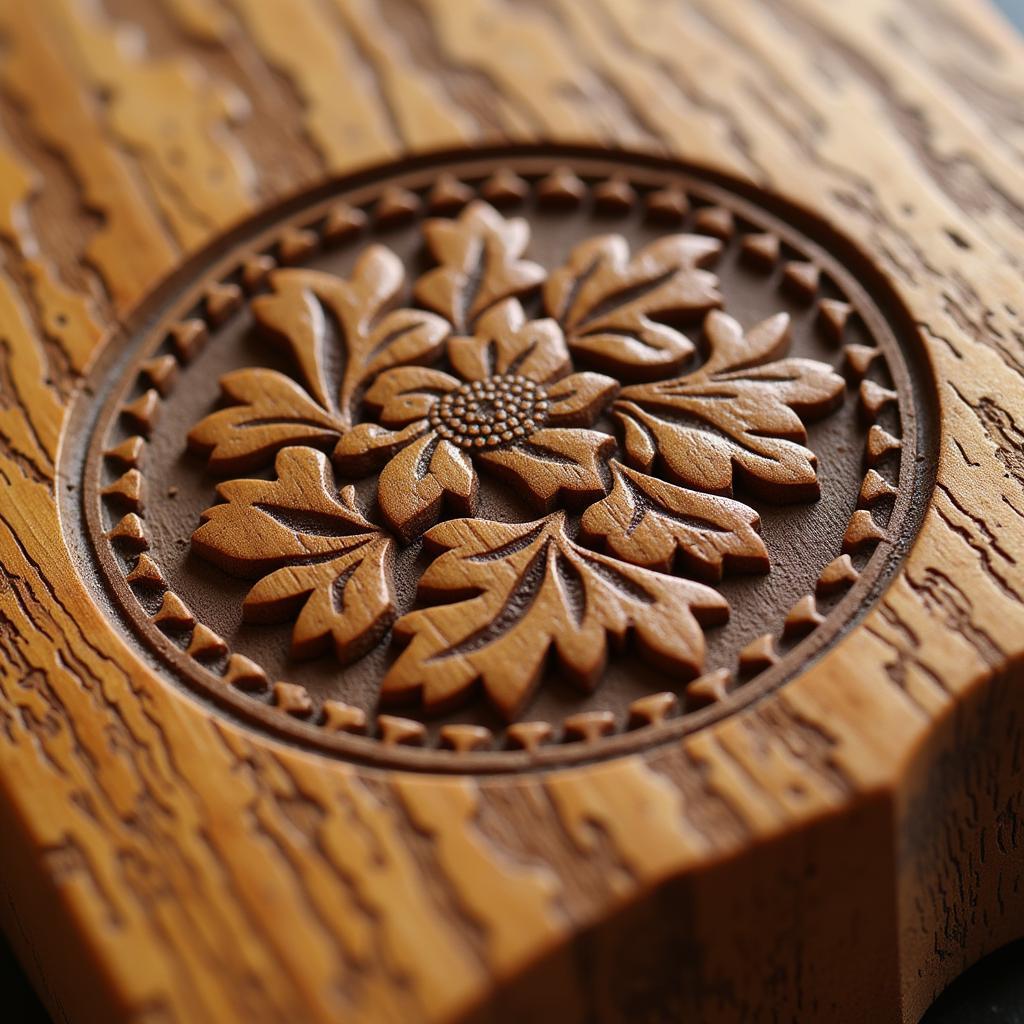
x=465 y=466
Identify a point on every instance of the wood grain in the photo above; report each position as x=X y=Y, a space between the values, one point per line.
x=162 y=864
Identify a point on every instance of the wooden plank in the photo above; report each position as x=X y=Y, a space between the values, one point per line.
x=837 y=849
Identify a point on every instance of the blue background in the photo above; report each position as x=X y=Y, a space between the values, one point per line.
x=1014 y=9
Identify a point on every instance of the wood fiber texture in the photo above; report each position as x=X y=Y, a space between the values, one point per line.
x=839 y=851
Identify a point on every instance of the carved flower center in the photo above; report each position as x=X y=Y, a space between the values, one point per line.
x=486 y=413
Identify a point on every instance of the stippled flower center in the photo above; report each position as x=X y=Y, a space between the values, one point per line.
x=487 y=413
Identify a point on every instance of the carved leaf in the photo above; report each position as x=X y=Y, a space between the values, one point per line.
x=652 y=523
x=264 y=523
x=371 y=338
x=739 y=412
x=269 y=411
x=331 y=562
x=304 y=311
x=617 y=310
x=522 y=592
x=479 y=256
x=347 y=602
x=293 y=316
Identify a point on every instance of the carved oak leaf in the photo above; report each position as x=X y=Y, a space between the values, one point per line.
x=330 y=561
x=268 y=411
x=611 y=306
x=742 y=411
x=346 y=602
x=652 y=523
x=308 y=311
x=372 y=339
x=479 y=256
x=525 y=591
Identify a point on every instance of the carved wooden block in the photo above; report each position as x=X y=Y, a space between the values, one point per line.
x=509 y=512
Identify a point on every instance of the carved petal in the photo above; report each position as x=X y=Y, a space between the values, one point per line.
x=347 y=601
x=368 y=446
x=272 y=411
x=535 y=591
x=505 y=342
x=649 y=522
x=577 y=400
x=614 y=309
x=479 y=256
x=415 y=483
x=265 y=523
x=404 y=336
x=563 y=464
x=408 y=393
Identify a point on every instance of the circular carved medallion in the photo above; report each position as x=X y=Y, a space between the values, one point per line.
x=511 y=459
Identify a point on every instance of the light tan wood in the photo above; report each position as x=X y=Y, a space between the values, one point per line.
x=162 y=862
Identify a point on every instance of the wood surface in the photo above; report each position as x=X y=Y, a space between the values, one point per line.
x=838 y=851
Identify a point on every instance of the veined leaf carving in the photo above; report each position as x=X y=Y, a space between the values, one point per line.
x=656 y=524
x=742 y=411
x=479 y=264
x=267 y=411
x=346 y=602
x=522 y=593
x=333 y=566
x=372 y=338
x=617 y=310
x=307 y=311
